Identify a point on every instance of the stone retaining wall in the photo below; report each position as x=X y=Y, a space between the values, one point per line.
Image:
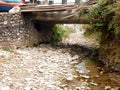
x=17 y=31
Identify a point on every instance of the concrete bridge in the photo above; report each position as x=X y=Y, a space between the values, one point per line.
x=35 y=22
x=64 y=13
x=35 y=25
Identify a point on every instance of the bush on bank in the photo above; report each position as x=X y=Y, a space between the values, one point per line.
x=60 y=32
x=100 y=16
x=105 y=19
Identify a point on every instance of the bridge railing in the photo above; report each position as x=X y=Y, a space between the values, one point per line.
x=52 y=2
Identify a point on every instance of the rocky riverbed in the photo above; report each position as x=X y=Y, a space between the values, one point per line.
x=71 y=65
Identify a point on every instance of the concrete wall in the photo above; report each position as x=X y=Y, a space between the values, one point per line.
x=17 y=31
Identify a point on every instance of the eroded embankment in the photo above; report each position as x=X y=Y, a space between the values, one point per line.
x=105 y=19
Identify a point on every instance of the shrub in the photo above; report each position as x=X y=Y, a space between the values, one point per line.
x=102 y=18
x=57 y=33
x=60 y=32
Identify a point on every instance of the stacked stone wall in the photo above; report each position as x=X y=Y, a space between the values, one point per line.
x=16 y=31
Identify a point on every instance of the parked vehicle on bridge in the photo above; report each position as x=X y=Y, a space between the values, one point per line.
x=15 y=1
x=6 y=5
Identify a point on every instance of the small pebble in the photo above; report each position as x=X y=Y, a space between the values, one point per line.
x=107 y=87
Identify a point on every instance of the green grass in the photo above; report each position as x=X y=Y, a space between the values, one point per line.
x=96 y=36
x=61 y=32
x=67 y=31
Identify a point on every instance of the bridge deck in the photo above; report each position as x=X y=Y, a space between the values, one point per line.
x=45 y=8
x=57 y=13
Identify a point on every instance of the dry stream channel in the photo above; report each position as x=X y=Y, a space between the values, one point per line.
x=71 y=65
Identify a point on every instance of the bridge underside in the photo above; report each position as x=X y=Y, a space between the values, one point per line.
x=58 y=14
x=59 y=17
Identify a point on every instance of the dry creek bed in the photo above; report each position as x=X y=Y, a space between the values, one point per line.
x=61 y=67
